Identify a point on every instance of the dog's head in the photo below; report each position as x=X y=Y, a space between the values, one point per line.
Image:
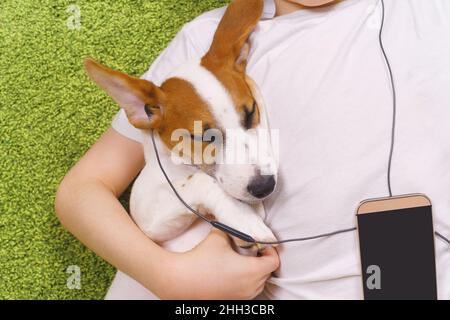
x=208 y=100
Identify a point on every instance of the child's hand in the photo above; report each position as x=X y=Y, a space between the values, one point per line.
x=213 y=270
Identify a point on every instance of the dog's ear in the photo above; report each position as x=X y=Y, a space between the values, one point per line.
x=139 y=98
x=230 y=40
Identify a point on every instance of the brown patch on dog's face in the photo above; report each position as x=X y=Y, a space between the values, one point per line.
x=174 y=105
x=182 y=107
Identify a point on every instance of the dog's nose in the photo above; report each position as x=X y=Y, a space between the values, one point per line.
x=261 y=186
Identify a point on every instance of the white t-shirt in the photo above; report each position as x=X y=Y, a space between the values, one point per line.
x=327 y=90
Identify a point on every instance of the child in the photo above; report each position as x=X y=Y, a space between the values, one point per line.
x=326 y=89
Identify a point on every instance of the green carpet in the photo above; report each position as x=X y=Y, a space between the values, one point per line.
x=49 y=116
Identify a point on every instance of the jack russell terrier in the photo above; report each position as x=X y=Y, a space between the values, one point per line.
x=216 y=93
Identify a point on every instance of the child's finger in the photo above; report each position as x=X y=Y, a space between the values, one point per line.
x=268 y=261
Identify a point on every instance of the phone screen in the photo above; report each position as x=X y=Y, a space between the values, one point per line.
x=397 y=254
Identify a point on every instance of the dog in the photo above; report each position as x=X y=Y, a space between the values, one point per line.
x=211 y=93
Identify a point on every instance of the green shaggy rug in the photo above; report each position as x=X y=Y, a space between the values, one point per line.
x=49 y=116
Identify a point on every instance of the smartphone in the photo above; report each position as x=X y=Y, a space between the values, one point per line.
x=396 y=242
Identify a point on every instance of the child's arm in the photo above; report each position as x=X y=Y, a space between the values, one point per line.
x=87 y=205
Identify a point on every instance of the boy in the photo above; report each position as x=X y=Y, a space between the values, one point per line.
x=326 y=88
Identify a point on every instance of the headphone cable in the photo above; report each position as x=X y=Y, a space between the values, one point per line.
x=394 y=98
x=247 y=238
x=226 y=228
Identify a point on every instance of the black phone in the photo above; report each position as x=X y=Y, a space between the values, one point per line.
x=396 y=241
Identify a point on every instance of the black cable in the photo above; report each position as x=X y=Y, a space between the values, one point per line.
x=442 y=237
x=394 y=108
x=172 y=186
x=248 y=238
x=225 y=228
x=239 y=234
x=309 y=238
x=394 y=98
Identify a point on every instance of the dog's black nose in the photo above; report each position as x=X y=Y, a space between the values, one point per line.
x=261 y=186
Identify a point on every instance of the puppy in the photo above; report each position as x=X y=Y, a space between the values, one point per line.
x=211 y=94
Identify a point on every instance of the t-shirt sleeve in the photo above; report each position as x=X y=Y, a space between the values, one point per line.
x=180 y=50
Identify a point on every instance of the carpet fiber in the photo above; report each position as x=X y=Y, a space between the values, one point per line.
x=49 y=116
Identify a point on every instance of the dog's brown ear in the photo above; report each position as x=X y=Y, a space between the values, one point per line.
x=139 y=98
x=229 y=43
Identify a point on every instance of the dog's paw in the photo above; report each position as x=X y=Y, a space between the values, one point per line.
x=260 y=232
x=244 y=218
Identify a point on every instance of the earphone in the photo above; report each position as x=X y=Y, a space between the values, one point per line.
x=247 y=238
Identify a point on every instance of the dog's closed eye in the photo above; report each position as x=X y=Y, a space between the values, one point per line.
x=203 y=137
x=249 y=116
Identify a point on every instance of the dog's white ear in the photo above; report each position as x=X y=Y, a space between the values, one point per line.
x=139 y=98
x=230 y=40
